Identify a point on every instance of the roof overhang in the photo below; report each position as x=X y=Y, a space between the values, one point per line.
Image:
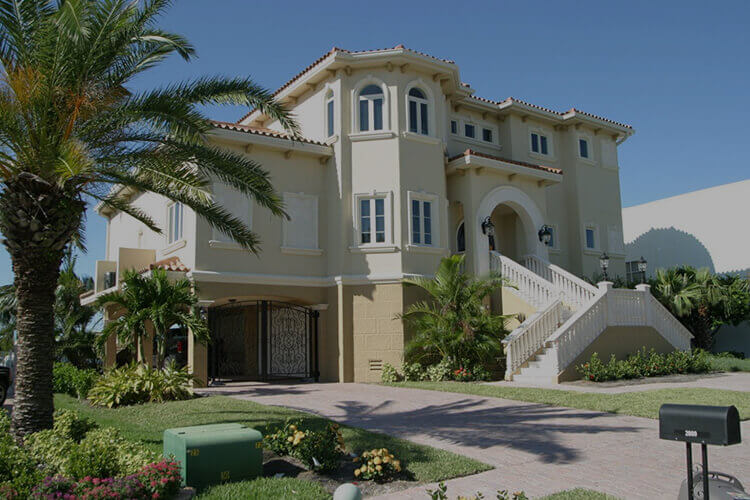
x=544 y=176
x=282 y=144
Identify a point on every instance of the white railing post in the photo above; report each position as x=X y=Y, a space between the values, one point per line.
x=646 y=291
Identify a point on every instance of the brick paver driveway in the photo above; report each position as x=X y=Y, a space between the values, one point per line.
x=537 y=448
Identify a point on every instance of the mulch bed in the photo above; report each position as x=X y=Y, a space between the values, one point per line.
x=291 y=467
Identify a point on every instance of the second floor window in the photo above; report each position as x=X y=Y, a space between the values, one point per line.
x=418 y=112
x=583 y=148
x=329 y=114
x=174 y=229
x=421 y=222
x=469 y=130
x=454 y=127
x=371 y=108
x=486 y=135
x=590 y=238
x=539 y=143
x=372 y=220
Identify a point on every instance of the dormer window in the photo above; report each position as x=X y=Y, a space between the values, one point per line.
x=371 y=108
x=418 y=117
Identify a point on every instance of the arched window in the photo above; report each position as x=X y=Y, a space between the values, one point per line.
x=418 y=117
x=461 y=238
x=371 y=108
x=329 y=113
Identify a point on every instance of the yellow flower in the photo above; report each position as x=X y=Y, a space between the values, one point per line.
x=290 y=439
x=293 y=427
x=357 y=472
x=386 y=459
x=363 y=468
x=377 y=461
x=378 y=468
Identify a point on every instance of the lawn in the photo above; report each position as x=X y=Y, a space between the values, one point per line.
x=266 y=488
x=639 y=404
x=729 y=364
x=147 y=423
x=579 y=494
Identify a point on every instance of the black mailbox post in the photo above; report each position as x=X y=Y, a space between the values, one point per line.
x=718 y=425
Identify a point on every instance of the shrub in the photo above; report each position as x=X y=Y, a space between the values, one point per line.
x=155 y=480
x=75 y=448
x=389 y=374
x=378 y=465
x=413 y=372
x=462 y=375
x=68 y=379
x=440 y=371
x=645 y=364
x=441 y=493
x=319 y=450
x=18 y=472
x=137 y=384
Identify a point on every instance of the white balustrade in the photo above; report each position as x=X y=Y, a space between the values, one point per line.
x=530 y=286
x=576 y=292
x=531 y=335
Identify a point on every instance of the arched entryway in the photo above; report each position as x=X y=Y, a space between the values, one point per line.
x=517 y=218
x=262 y=340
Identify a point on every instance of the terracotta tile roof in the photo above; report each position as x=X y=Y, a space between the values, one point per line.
x=173 y=264
x=471 y=152
x=334 y=50
x=511 y=100
x=262 y=131
x=578 y=111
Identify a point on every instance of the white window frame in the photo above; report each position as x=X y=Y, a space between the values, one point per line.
x=479 y=125
x=173 y=238
x=419 y=102
x=589 y=147
x=450 y=126
x=550 y=143
x=386 y=245
x=470 y=124
x=455 y=237
x=330 y=118
x=428 y=100
x=286 y=246
x=386 y=130
x=597 y=237
x=434 y=201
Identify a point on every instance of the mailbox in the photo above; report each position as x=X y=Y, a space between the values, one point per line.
x=700 y=424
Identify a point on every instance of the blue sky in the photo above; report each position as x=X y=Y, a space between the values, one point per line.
x=677 y=71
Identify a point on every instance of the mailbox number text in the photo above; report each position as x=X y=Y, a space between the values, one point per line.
x=194 y=452
x=259 y=444
x=225 y=475
x=691 y=434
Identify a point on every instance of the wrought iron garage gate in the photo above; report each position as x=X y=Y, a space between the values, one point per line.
x=262 y=340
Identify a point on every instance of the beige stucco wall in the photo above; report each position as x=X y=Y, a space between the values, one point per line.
x=620 y=341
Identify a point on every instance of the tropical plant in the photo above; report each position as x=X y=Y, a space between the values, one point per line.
x=703 y=301
x=454 y=323
x=138 y=383
x=73 y=132
x=152 y=305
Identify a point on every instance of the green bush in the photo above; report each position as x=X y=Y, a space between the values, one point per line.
x=18 y=471
x=75 y=448
x=645 y=364
x=318 y=450
x=441 y=493
x=137 y=384
x=389 y=374
x=76 y=382
x=413 y=372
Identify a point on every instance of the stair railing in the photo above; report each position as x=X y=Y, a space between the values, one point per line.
x=576 y=292
x=530 y=286
x=530 y=336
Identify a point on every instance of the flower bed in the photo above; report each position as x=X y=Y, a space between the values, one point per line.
x=644 y=364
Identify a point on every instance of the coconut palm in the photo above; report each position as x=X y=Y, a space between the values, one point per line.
x=152 y=305
x=454 y=322
x=74 y=132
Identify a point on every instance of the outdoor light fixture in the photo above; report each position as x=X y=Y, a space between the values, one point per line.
x=488 y=228
x=642 y=266
x=604 y=263
x=545 y=234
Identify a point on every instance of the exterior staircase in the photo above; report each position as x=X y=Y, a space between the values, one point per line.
x=570 y=315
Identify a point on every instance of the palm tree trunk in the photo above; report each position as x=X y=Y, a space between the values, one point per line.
x=33 y=405
x=38 y=220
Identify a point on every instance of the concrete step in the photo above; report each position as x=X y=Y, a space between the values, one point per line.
x=534 y=379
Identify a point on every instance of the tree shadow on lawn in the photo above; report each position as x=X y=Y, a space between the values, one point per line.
x=529 y=428
x=253 y=390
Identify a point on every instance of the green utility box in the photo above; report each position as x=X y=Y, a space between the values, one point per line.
x=219 y=453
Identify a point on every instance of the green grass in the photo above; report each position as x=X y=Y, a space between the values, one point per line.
x=265 y=488
x=639 y=404
x=147 y=423
x=726 y=364
x=579 y=494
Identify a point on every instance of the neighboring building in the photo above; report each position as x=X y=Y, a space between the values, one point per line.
x=704 y=229
x=399 y=167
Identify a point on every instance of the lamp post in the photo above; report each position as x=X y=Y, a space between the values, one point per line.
x=545 y=234
x=642 y=266
x=488 y=228
x=604 y=263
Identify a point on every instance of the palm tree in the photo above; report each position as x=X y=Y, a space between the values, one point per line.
x=152 y=302
x=703 y=301
x=72 y=132
x=454 y=322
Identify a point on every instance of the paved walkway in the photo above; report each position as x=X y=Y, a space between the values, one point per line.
x=533 y=447
x=739 y=381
